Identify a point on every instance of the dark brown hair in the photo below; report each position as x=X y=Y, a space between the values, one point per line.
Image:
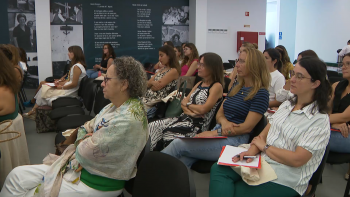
x=179 y=49
x=111 y=52
x=8 y=76
x=78 y=55
x=285 y=58
x=308 y=53
x=22 y=55
x=194 y=54
x=6 y=51
x=213 y=63
x=169 y=51
x=15 y=54
x=169 y=43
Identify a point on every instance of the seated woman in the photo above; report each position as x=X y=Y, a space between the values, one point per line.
x=189 y=63
x=159 y=65
x=237 y=116
x=293 y=143
x=340 y=117
x=198 y=108
x=70 y=85
x=179 y=54
x=107 y=59
x=274 y=65
x=284 y=94
x=12 y=54
x=106 y=148
x=14 y=152
x=162 y=82
x=287 y=65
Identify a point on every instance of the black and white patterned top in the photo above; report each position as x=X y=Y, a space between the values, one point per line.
x=152 y=96
x=199 y=97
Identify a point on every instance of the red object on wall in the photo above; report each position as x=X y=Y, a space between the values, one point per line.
x=246 y=36
x=246 y=13
x=261 y=33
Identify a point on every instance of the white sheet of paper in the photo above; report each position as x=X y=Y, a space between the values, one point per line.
x=51 y=84
x=231 y=151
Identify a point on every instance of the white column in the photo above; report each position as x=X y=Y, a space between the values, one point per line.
x=198 y=24
x=43 y=33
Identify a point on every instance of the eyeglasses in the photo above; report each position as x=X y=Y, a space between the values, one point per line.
x=108 y=78
x=241 y=61
x=346 y=64
x=298 y=76
x=201 y=65
x=185 y=49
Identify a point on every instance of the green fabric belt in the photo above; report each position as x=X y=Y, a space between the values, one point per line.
x=100 y=183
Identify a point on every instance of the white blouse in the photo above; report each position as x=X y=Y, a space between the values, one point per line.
x=290 y=129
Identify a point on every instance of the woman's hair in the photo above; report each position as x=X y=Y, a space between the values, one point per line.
x=275 y=55
x=285 y=58
x=255 y=64
x=169 y=51
x=21 y=16
x=131 y=70
x=8 y=76
x=169 y=43
x=22 y=55
x=213 y=63
x=78 y=55
x=255 y=45
x=249 y=45
x=308 y=53
x=6 y=52
x=179 y=49
x=317 y=69
x=194 y=55
x=15 y=54
x=110 y=51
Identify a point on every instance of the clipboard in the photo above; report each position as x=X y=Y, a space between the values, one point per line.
x=233 y=164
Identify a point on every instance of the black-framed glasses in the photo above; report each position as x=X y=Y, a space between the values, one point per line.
x=298 y=76
x=346 y=64
x=108 y=78
x=201 y=65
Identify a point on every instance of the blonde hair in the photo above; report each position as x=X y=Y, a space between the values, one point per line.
x=255 y=64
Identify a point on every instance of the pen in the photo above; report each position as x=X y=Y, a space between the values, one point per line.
x=246 y=157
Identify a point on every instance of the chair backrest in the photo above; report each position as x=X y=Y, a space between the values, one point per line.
x=316 y=177
x=331 y=73
x=213 y=121
x=100 y=101
x=88 y=95
x=144 y=151
x=227 y=66
x=258 y=128
x=227 y=82
x=162 y=175
x=82 y=85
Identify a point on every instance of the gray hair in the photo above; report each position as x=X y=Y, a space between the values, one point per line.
x=131 y=70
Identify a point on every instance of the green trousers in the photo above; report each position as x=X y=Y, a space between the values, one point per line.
x=224 y=182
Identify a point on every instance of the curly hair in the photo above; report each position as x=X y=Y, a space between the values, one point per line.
x=131 y=70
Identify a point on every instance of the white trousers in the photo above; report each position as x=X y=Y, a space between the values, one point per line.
x=23 y=180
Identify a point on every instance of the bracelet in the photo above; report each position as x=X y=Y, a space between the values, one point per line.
x=265 y=148
x=219 y=132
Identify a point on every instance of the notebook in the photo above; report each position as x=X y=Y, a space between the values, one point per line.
x=216 y=137
x=230 y=151
x=51 y=84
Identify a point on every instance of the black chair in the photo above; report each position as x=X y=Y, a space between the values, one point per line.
x=227 y=82
x=335 y=79
x=227 y=66
x=203 y=166
x=331 y=73
x=68 y=101
x=316 y=177
x=100 y=101
x=162 y=175
x=88 y=96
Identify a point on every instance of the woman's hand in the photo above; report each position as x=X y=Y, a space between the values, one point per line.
x=155 y=85
x=259 y=142
x=240 y=158
x=207 y=134
x=228 y=127
x=79 y=168
x=59 y=87
x=343 y=127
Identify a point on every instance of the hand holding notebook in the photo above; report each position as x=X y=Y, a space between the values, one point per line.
x=228 y=152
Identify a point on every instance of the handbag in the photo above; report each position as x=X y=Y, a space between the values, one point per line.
x=174 y=109
x=43 y=121
x=190 y=81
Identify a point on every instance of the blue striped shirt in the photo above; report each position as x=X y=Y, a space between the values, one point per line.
x=236 y=108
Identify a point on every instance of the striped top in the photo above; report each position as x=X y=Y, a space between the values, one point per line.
x=290 y=129
x=236 y=108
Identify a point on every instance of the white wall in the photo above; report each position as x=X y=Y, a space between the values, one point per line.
x=198 y=23
x=288 y=18
x=272 y=27
x=42 y=12
x=323 y=26
x=230 y=14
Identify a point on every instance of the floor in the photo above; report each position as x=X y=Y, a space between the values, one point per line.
x=41 y=144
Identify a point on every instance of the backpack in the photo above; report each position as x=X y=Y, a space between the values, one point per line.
x=43 y=121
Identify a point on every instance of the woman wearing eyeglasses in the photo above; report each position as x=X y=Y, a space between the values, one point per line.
x=198 y=108
x=102 y=154
x=340 y=117
x=70 y=86
x=107 y=59
x=237 y=116
x=293 y=142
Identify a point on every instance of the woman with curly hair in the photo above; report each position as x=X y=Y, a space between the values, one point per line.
x=287 y=65
x=105 y=149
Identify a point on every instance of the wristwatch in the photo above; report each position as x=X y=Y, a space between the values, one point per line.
x=219 y=132
x=188 y=104
x=266 y=147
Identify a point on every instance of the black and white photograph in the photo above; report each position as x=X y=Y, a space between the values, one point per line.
x=176 y=15
x=22 y=28
x=66 y=13
x=21 y=6
x=62 y=37
x=175 y=34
